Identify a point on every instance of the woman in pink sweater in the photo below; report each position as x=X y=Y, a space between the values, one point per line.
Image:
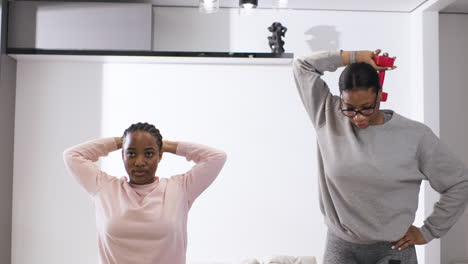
x=142 y=219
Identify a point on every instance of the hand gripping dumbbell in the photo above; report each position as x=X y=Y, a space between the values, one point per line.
x=383 y=61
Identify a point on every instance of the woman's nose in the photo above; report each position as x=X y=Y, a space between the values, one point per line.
x=359 y=117
x=139 y=161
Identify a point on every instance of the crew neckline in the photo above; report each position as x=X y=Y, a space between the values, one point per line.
x=145 y=186
x=386 y=124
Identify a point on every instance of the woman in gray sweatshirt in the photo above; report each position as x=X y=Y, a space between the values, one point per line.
x=371 y=165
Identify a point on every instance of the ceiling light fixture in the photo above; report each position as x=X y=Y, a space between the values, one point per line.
x=280 y=4
x=208 y=6
x=247 y=7
x=248 y=4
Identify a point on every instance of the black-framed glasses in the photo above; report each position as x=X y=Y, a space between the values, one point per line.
x=365 y=111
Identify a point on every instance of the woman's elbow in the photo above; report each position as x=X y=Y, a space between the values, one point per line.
x=68 y=156
x=222 y=156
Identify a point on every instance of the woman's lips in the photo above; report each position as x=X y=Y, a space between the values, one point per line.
x=139 y=172
x=362 y=126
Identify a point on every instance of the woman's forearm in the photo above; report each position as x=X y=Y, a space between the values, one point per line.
x=345 y=57
x=209 y=162
x=118 y=142
x=170 y=146
x=366 y=56
x=79 y=161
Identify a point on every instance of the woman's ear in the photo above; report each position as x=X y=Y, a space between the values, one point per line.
x=160 y=155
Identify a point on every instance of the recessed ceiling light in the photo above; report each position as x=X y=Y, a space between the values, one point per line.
x=248 y=4
x=280 y=4
x=208 y=6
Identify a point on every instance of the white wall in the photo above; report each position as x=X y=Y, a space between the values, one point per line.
x=453 y=121
x=308 y=30
x=424 y=85
x=265 y=201
x=57 y=105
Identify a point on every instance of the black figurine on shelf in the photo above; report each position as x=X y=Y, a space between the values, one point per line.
x=275 y=41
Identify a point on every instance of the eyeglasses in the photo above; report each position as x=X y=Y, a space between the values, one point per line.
x=365 y=111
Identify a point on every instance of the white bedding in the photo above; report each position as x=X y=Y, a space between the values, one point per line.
x=270 y=260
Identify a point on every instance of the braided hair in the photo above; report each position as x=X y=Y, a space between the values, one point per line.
x=146 y=128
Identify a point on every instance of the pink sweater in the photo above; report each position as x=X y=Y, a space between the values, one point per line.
x=142 y=223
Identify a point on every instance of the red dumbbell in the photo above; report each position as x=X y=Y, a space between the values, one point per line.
x=383 y=61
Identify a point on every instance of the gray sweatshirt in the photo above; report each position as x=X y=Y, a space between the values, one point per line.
x=369 y=178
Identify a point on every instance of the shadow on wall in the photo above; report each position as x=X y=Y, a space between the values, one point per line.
x=323 y=38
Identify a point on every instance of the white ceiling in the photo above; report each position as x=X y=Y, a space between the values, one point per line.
x=351 y=5
x=354 y=5
x=460 y=6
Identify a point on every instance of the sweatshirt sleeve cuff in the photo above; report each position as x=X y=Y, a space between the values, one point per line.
x=335 y=57
x=426 y=234
x=109 y=144
x=182 y=148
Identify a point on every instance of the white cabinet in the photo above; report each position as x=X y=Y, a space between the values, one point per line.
x=76 y=26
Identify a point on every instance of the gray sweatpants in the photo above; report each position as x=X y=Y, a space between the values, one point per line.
x=339 y=251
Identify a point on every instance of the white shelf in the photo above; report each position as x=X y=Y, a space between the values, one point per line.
x=151 y=57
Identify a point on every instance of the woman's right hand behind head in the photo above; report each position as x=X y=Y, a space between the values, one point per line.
x=367 y=56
